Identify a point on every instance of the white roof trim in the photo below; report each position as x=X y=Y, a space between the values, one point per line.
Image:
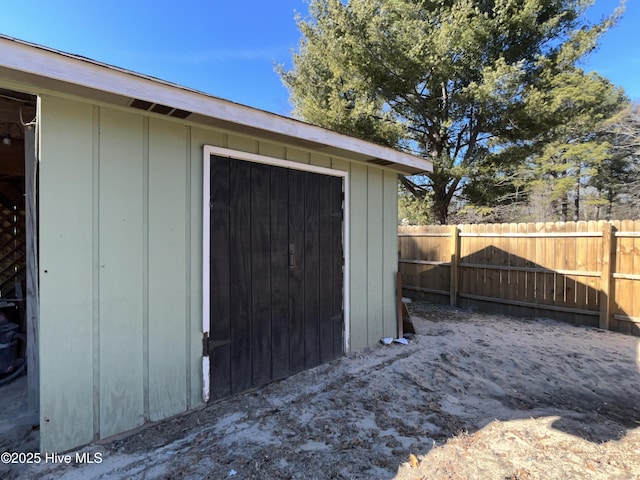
x=45 y=62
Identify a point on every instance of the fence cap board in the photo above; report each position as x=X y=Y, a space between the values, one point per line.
x=533 y=234
x=423 y=234
x=627 y=234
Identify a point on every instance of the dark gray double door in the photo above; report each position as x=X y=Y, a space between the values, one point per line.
x=276 y=273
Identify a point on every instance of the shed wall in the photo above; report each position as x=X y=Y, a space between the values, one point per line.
x=120 y=264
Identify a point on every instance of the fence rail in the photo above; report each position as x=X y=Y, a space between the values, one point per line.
x=583 y=272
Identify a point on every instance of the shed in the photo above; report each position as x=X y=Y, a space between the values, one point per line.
x=179 y=247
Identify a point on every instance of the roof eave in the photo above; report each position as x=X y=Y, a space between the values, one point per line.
x=34 y=62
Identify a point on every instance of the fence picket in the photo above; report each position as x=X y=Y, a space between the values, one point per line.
x=606 y=303
x=624 y=287
x=512 y=276
x=549 y=262
x=553 y=269
x=594 y=263
x=634 y=310
x=558 y=264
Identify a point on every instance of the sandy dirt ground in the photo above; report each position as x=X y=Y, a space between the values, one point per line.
x=472 y=396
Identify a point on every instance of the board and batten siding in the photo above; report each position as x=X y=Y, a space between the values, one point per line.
x=120 y=198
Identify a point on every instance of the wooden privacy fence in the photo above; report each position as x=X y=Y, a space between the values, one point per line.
x=583 y=272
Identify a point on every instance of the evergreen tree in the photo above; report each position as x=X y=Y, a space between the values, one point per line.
x=575 y=149
x=617 y=178
x=474 y=85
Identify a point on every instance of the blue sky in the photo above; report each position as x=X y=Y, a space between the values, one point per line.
x=228 y=48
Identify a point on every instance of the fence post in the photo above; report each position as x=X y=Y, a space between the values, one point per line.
x=607 y=300
x=455 y=256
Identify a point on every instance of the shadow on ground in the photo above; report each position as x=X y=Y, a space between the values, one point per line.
x=462 y=377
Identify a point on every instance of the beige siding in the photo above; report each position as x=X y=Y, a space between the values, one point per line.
x=167 y=268
x=243 y=144
x=375 y=236
x=389 y=252
x=358 y=257
x=274 y=150
x=320 y=160
x=66 y=274
x=297 y=155
x=121 y=271
x=121 y=264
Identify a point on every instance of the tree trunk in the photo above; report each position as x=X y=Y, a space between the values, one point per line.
x=441 y=198
x=440 y=207
x=610 y=196
x=564 y=209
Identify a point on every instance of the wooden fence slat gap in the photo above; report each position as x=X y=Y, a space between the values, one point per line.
x=579 y=273
x=541 y=306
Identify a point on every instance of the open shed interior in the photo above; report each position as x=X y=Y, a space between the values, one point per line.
x=14 y=109
x=17 y=110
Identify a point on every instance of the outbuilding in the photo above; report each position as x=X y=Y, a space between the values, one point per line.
x=181 y=248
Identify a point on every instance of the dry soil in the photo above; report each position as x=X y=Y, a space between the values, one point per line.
x=472 y=396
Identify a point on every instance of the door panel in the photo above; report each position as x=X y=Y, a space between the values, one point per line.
x=311 y=273
x=280 y=272
x=296 y=270
x=219 y=347
x=337 y=270
x=240 y=270
x=325 y=288
x=260 y=275
x=276 y=273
